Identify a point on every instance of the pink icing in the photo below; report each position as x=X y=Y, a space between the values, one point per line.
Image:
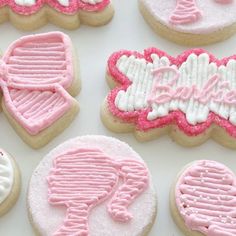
x=34 y=73
x=206 y=198
x=83 y=178
x=139 y=117
x=186 y=11
x=74 y=6
x=166 y=93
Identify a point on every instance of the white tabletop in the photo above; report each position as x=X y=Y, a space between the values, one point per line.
x=94 y=45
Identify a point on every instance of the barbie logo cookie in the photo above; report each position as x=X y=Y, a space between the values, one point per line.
x=191 y=22
x=38 y=79
x=92 y=185
x=191 y=97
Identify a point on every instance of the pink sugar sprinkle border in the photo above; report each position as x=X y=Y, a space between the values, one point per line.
x=139 y=118
x=74 y=7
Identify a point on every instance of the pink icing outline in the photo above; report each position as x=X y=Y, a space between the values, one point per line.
x=75 y=6
x=6 y=83
x=139 y=118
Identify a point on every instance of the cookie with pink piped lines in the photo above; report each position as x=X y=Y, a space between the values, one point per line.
x=203 y=199
x=191 y=22
x=38 y=80
x=191 y=97
x=92 y=185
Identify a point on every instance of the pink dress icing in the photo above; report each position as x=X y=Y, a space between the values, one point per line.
x=73 y=7
x=146 y=98
x=206 y=198
x=193 y=16
x=35 y=72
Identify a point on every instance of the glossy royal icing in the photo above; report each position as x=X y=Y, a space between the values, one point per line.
x=6 y=176
x=193 y=90
x=35 y=72
x=205 y=198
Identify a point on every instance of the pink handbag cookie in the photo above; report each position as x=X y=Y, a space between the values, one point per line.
x=92 y=185
x=203 y=200
x=32 y=14
x=38 y=79
x=191 y=97
x=191 y=22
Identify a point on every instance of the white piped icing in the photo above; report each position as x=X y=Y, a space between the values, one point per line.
x=6 y=176
x=93 y=2
x=25 y=2
x=64 y=3
x=194 y=72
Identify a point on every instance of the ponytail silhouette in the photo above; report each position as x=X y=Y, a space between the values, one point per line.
x=83 y=178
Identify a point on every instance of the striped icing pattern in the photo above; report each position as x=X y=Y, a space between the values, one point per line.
x=38 y=63
x=83 y=178
x=206 y=198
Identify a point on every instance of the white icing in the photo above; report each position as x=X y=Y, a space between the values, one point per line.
x=215 y=16
x=6 y=176
x=195 y=71
x=64 y=3
x=93 y=2
x=25 y=2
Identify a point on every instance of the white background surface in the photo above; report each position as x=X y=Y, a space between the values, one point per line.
x=94 y=45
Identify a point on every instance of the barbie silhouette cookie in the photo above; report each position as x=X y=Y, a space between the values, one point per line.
x=38 y=79
x=69 y=14
x=191 y=97
x=202 y=200
x=92 y=185
x=191 y=22
x=10 y=182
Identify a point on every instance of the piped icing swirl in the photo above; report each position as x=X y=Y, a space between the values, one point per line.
x=6 y=176
x=83 y=178
x=205 y=196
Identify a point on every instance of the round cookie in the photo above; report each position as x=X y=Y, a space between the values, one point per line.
x=191 y=22
x=10 y=182
x=92 y=185
x=202 y=200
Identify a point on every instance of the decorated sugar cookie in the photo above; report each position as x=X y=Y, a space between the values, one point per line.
x=9 y=182
x=69 y=14
x=38 y=79
x=203 y=200
x=191 y=22
x=92 y=185
x=191 y=97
